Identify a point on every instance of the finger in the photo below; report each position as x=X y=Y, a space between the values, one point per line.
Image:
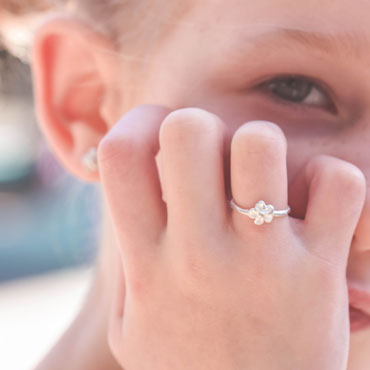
x=129 y=175
x=337 y=191
x=192 y=143
x=115 y=323
x=258 y=172
x=298 y=195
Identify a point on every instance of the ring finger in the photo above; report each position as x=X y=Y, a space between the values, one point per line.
x=258 y=172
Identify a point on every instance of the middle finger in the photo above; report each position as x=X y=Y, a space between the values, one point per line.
x=192 y=146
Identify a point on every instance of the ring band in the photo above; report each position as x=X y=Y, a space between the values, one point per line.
x=261 y=213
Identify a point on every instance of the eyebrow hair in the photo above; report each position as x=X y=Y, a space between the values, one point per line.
x=344 y=43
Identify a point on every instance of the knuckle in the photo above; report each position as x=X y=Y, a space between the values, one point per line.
x=258 y=136
x=111 y=149
x=338 y=173
x=186 y=122
x=122 y=141
x=353 y=178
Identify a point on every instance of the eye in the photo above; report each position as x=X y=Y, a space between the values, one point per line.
x=298 y=90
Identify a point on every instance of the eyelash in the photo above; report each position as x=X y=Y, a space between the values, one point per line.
x=314 y=88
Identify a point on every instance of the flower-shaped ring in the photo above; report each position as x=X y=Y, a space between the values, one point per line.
x=261 y=213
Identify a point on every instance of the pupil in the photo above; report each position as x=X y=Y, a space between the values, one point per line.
x=293 y=89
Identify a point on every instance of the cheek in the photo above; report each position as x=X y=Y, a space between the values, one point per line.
x=305 y=137
x=307 y=134
x=305 y=140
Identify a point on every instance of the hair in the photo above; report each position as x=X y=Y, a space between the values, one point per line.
x=137 y=27
x=19 y=7
x=134 y=25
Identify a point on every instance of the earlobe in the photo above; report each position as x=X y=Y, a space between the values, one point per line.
x=72 y=78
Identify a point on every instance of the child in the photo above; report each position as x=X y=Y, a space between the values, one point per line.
x=247 y=100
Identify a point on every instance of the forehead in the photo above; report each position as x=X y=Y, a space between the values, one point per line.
x=340 y=28
x=331 y=16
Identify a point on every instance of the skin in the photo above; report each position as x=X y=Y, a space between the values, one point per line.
x=224 y=63
x=177 y=270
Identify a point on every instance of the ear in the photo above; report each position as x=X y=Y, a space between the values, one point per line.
x=74 y=69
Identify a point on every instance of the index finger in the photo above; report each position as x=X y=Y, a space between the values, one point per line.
x=129 y=175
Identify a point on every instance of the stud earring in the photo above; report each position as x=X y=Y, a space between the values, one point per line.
x=90 y=160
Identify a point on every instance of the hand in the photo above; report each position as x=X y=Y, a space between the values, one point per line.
x=202 y=286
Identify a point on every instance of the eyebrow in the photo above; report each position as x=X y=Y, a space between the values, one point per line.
x=344 y=43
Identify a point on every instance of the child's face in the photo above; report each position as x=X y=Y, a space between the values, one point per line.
x=303 y=65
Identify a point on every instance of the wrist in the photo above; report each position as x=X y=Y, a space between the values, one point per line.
x=84 y=345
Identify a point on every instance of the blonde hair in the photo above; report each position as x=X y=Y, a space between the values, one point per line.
x=134 y=25
x=19 y=7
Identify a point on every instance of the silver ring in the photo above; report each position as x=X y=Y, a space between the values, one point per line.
x=261 y=213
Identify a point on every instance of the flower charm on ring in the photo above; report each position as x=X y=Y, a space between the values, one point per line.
x=262 y=213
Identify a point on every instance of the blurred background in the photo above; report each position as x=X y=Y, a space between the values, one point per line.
x=49 y=229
